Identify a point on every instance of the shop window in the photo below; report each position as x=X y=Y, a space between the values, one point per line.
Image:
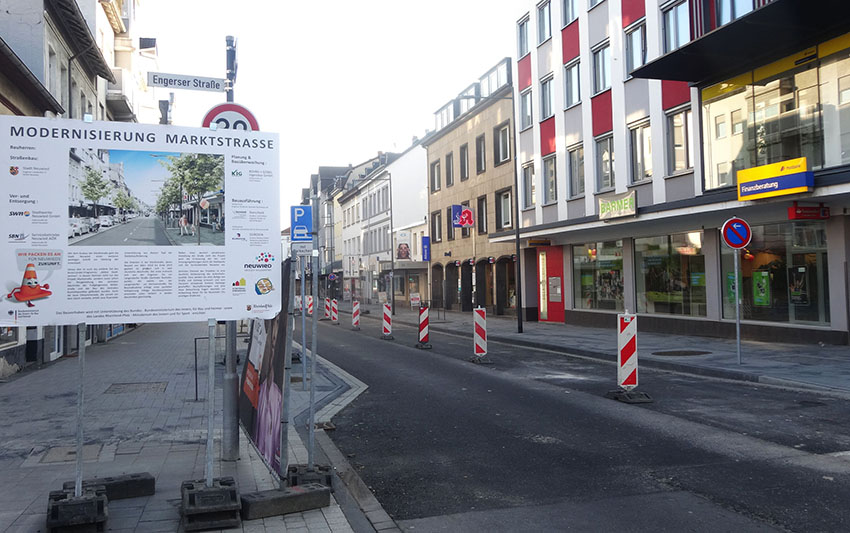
x=784 y=276
x=670 y=277
x=598 y=275
x=8 y=335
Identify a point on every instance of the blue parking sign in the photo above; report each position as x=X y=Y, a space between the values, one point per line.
x=301 y=218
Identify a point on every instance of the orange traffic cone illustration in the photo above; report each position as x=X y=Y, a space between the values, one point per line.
x=29 y=289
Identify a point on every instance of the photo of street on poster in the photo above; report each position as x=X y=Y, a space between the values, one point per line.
x=124 y=222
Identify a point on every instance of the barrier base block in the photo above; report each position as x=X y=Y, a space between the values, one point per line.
x=278 y=502
x=387 y=337
x=423 y=345
x=215 y=507
x=355 y=328
x=480 y=360
x=632 y=396
x=67 y=513
x=298 y=474
x=120 y=487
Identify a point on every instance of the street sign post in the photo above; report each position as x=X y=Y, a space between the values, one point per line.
x=737 y=235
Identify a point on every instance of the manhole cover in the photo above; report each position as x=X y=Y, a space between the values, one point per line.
x=67 y=454
x=149 y=386
x=681 y=352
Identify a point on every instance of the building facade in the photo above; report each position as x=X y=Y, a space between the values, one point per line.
x=471 y=164
x=644 y=125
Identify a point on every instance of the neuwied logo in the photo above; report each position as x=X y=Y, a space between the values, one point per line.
x=263 y=261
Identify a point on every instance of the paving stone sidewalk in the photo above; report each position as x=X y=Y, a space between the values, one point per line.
x=141 y=416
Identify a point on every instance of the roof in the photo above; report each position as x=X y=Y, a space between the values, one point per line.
x=505 y=93
x=768 y=33
x=21 y=76
x=82 y=42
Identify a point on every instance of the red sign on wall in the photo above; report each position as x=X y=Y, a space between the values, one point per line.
x=808 y=213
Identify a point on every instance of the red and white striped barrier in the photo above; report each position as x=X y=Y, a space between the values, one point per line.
x=334 y=311
x=327 y=308
x=310 y=304
x=355 y=315
x=424 y=337
x=480 y=315
x=627 y=357
x=387 y=333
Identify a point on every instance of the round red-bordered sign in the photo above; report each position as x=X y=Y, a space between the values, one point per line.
x=736 y=233
x=231 y=117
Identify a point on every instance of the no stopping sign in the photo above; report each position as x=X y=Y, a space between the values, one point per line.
x=231 y=117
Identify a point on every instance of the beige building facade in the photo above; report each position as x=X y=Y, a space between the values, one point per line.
x=471 y=164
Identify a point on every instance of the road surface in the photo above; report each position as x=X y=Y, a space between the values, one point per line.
x=141 y=231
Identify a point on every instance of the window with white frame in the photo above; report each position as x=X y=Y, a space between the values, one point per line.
x=450 y=169
x=464 y=162
x=605 y=163
x=544 y=23
x=568 y=9
x=640 y=144
x=503 y=209
x=550 y=180
x=602 y=69
x=525 y=117
x=572 y=91
x=482 y=215
x=635 y=47
x=502 y=144
x=437 y=226
x=546 y=99
x=677 y=27
x=576 y=155
x=522 y=37
x=435 y=176
x=729 y=10
x=528 y=186
x=679 y=142
x=480 y=154
x=720 y=127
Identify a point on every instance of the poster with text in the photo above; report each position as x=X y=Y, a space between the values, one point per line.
x=110 y=222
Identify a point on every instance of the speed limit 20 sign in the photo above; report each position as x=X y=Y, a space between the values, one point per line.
x=231 y=117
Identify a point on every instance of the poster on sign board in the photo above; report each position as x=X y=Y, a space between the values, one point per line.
x=120 y=222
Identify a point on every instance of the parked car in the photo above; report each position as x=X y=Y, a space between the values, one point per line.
x=85 y=227
x=75 y=226
x=71 y=231
x=94 y=225
x=105 y=221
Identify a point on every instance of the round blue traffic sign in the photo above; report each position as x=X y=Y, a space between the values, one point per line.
x=736 y=233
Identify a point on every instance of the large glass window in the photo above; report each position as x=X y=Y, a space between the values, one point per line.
x=546 y=99
x=784 y=275
x=525 y=110
x=635 y=48
x=641 y=152
x=576 y=155
x=677 y=27
x=572 y=91
x=729 y=10
x=8 y=335
x=550 y=182
x=450 y=169
x=464 y=162
x=598 y=275
x=528 y=186
x=670 y=277
x=605 y=163
x=522 y=37
x=569 y=11
x=435 y=176
x=679 y=143
x=480 y=154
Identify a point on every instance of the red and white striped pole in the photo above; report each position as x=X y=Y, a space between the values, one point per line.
x=480 y=325
x=327 y=309
x=334 y=311
x=387 y=333
x=627 y=357
x=424 y=337
x=310 y=304
x=355 y=315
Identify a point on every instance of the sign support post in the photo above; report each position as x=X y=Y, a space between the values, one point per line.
x=208 y=470
x=81 y=366
x=287 y=368
x=736 y=234
x=314 y=349
x=303 y=324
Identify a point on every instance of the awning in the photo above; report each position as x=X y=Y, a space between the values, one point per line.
x=771 y=32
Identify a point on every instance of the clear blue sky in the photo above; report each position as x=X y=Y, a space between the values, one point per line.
x=143 y=172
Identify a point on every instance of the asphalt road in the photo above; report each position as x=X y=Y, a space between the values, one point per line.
x=141 y=231
x=530 y=443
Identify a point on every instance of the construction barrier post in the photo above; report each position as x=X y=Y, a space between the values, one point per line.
x=627 y=361
x=387 y=333
x=355 y=315
x=424 y=336
x=334 y=312
x=310 y=304
x=327 y=309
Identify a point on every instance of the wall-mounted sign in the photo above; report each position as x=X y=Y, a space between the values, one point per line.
x=776 y=179
x=539 y=242
x=180 y=81
x=808 y=212
x=618 y=205
x=426 y=248
x=462 y=217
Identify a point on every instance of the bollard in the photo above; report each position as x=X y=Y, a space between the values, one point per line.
x=327 y=309
x=334 y=312
x=310 y=304
x=480 y=326
x=355 y=315
x=424 y=337
x=387 y=333
x=627 y=362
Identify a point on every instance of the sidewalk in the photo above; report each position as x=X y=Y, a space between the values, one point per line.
x=208 y=237
x=796 y=365
x=141 y=416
